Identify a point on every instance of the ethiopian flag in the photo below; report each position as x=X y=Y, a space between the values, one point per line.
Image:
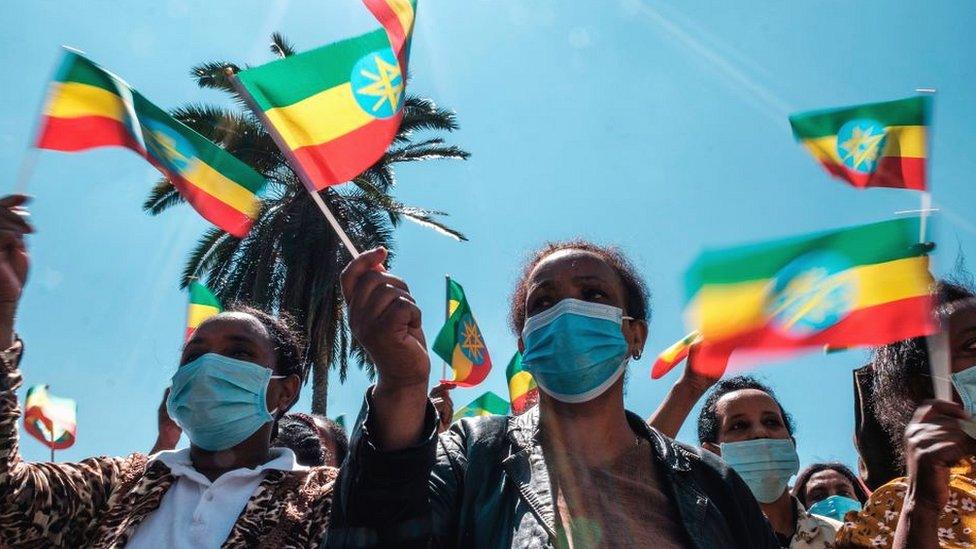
x=89 y=107
x=51 y=420
x=674 y=355
x=203 y=305
x=865 y=285
x=873 y=145
x=488 y=404
x=335 y=109
x=460 y=343
x=522 y=389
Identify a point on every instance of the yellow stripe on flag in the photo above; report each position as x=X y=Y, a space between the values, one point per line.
x=212 y=182
x=452 y=306
x=521 y=383
x=74 y=100
x=320 y=118
x=721 y=310
x=196 y=314
x=903 y=141
x=404 y=12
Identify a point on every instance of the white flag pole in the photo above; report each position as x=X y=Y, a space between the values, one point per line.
x=295 y=165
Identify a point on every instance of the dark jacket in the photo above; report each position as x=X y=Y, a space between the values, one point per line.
x=484 y=484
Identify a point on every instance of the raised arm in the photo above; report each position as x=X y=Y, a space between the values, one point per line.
x=41 y=504
x=681 y=399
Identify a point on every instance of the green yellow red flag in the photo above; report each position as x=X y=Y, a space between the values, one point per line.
x=863 y=285
x=460 y=343
x=673 y=355
x=488 y=404
x=88 y=107
x=203 y=305
x=51 y=420
x=335 y=109
x=872 y=145
x=522 y=388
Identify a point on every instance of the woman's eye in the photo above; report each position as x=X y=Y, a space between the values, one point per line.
x=737 y=426
x=594 y=295
x=539 y=305
x=773 y=423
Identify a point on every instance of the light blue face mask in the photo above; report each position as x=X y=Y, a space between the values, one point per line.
x=835 y=507
x=575 y=350
x=219 y=401
x=965 y=384
x=765 y=464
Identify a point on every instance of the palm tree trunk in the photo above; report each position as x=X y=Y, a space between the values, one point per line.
x=320 y=387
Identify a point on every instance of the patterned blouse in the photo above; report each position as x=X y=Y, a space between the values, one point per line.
x=875 y=525
x=99 y=502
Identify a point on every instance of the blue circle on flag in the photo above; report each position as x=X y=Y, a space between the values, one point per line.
x=860 y=143
x=469 y=340
x=812 y=293
x=167 y=145
x=377 y=83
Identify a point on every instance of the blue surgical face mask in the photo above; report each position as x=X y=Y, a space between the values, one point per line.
x=575 y=350
x=219 y=401
x=965 y=384
x=765 y=464
x=835 y=507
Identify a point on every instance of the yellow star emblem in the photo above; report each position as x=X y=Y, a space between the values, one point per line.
x=862 y=146
x=472 y=345
x=386 y=84
x=164 y=146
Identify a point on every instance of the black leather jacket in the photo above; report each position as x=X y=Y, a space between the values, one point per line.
x=484 y=484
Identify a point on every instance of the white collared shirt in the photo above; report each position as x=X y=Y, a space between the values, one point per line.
x=195 y=512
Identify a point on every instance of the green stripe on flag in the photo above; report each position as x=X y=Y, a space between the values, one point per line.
x=862 y=245
x=901 y=112
x=75 y=68
x=287 y=81
x=447 y=338
x=201 y=295
x=487 y=404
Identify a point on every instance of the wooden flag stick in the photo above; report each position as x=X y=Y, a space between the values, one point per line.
x=293 y=162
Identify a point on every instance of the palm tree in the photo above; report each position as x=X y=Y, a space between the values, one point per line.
x=291 y=259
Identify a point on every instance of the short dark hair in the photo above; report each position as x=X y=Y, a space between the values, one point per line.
x=708 y=418
x=302 y=438
x=901 y=372
x=340 y=440
x=636 y=296
x=800 y=487
x=287 y=341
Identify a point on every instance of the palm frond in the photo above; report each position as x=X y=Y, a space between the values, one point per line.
x=162 y=196
x=280 y=46
x=212 y=74
x=431 y=223
x=421 y=113
x=203 y=254
x=428 y=152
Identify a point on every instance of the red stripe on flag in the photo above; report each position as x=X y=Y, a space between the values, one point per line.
x=86 y=132
x=343 y=158
x=525 y=400
x=388 y=18
x=897 y=172
x=877 y=325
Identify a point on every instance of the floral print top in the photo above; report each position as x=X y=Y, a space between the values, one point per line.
x=874 y=526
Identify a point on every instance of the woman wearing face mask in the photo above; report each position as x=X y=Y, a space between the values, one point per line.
x=239 y=372
x=829 y=490
x=934 y=505
x=742 y=421
x=577 y=470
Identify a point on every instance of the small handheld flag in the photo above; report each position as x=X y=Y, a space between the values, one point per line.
x=674 y=355
x=864 y=285
x=334 y=110
x=203 y=305
x=460 y=343
x=488 y=404
x=522 y=388
x=51 y=420
x=873 y=145
x=90 y=107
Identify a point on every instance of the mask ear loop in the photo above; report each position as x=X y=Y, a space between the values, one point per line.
x=636 y=355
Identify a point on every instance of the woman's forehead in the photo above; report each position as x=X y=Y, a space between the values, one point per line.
x=572 y=262
x=233 y=325
x=745 y=401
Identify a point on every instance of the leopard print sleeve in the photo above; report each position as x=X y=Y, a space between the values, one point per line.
x=48 y=504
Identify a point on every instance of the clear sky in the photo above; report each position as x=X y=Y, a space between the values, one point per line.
x=658 y=126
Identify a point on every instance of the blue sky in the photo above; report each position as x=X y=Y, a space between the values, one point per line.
x=657 y=126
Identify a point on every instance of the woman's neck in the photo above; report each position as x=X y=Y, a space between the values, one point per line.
x=593 y=432
x=255 y=450
x=780 y=514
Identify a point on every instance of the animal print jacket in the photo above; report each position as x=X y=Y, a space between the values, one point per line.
x=99 y=502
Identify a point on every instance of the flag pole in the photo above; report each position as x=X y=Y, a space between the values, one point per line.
x=936 y=344
x=292 y=161
x=52 y=443
x=447 y=316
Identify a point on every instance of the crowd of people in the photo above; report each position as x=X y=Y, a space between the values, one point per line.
x=575 y=470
